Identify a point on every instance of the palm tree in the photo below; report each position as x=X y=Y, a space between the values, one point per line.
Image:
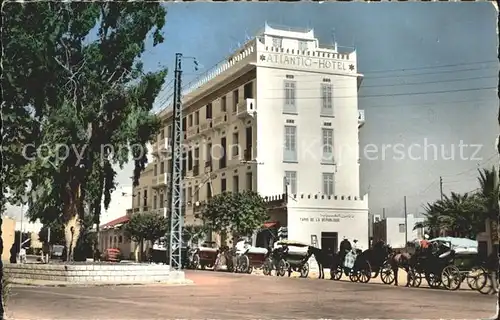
x=458 y=214
x=489 y=194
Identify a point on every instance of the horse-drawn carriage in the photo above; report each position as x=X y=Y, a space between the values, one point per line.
x=253 y=258
x=205 y=256
x=445 y=264
x=354 y=265
x=289 y=256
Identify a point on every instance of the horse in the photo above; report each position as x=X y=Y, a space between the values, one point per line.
x=324 y=258
x=375 y=256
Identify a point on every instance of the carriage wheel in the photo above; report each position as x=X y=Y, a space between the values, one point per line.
x=415 y=278
x=365 y=273
x=282 y=268
x=485 y=284
x=304 y=270
x=336 y=274
x=473 y=277
x=353 y=276
x=386 y=274
x=433 y=280
x=243 y=264
x=451 y=278
x=196 y=261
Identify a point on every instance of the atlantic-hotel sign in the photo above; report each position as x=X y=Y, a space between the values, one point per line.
x=307 y=62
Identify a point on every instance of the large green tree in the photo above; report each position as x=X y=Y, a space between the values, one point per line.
x=146 y=227
x=73 y=83
x=235 y=213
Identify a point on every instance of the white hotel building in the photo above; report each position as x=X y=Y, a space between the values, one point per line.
x=292 y=108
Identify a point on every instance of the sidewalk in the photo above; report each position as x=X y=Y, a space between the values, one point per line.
x=49 y=283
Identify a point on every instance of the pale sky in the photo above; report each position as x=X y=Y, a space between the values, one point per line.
x=430 y=72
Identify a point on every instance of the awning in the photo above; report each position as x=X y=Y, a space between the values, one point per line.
x=270 y=224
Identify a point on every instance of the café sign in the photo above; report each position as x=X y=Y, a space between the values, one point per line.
x=328 y=218
x=307 y=62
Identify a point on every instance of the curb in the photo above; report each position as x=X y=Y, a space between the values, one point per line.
x=23 y=283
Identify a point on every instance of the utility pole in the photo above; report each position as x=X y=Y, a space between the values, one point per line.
x=441 y=187
x=176 y=218
x=383 y=213
x=406 y=224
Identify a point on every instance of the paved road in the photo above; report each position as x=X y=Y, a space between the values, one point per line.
x=237 y=296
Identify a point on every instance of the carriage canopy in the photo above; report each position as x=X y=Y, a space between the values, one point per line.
x=292 y=243
x=460 y=245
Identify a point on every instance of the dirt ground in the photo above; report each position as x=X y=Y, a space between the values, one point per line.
x=219 y=295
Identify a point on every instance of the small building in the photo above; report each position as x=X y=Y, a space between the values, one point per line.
x=8 y=236
x=392 y=230
x=320 y=220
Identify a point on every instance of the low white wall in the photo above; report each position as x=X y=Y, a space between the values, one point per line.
x=104 y=273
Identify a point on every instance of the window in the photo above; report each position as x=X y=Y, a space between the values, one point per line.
x=328 y=184
x=155 y=170
x=189 y=195
x=162 y=201
x=248 y=90
x=223 y=103
x=145 y=202
x=184 y=124
x=277 y=42
x=223 y=185
x=235 y=100
x=209 y=190
x=190 y=120
x=235 y=145
x=249 y=181
x=209 y=111
x=303 y=45
x=155 y=202
x=290 y=149
x=236 y=184
x=162 y=133
x=291 y=181
x=222 y=160
x=138 y=198
x=169 y=131
x=196 y=118
x=196 y=195
x=402 y=228
x=326 y=99
x=327 y=145
x=289 y=105
x=162 y=167
x=190 y=160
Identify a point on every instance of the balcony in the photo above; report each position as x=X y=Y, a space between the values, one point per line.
x=165 y=146
x=191 y=132
x=246 y=108
x=220 y=120
x=161 y=180
x=205 y=126
x=361 y=118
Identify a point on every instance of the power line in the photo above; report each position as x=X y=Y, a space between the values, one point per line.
x=472 y=169
x=434 y=67
x=391 y=94
x=394 y=84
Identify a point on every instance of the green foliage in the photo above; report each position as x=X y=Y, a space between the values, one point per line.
x=464 y=215
x=194 y=233
x=239 y=213
x=56 y=233
x=146 y=226
x=72 y=76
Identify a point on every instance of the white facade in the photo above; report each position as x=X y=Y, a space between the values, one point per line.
x=307 y=71
x=292 y=109
x=313 y=216
x=395 y=227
